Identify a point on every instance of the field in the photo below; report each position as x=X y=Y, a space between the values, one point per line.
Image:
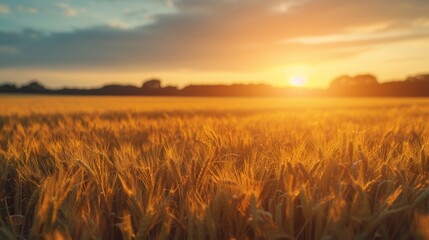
x=208 y=168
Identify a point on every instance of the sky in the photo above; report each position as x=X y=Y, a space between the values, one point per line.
x=86 y=43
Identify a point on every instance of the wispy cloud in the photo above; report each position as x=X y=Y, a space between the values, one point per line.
x=286 y=6
x=375 y=27
x=421 y=22
x=135 y=13
x=67 y=10
x=4 y=9
x=8 y=50
x=170 y=4
x=364 y=35
x=27 y=9
x=117 y=24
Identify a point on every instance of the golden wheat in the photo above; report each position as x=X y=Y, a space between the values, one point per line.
x=203 y=168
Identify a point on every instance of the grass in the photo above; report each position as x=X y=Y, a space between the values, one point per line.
x=203 y=168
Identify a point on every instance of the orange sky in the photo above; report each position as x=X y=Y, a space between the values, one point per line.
x=214 y=41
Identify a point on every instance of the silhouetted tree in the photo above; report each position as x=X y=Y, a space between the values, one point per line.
x=418 y=78
x=33 y=86
x=357 y=81
x=8 y=87
x=152 y=84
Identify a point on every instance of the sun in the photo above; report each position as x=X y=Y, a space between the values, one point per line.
x=297 y=81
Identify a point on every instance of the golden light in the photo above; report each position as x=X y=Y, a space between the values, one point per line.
x=297 y=81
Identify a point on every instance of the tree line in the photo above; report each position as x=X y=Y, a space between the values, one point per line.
x=365 y=85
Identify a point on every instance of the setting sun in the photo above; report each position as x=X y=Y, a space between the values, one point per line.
x=297 y=81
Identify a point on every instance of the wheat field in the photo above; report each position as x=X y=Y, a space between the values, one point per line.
x=213 y=168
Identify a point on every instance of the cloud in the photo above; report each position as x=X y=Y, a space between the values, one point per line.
x=422 y=22
x=4 y=9
x=138 y=15
x=286 y=6
x=67 y=10
x=376 y=27
x=233 y=35
x=8 y=50
x=359 y=37
x=170 y=3
x=27 y=9
x=116 y=24
x=135 y=13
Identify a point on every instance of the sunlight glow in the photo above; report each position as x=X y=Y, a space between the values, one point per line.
x=297 y=81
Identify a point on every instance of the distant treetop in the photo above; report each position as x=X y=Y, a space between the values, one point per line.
x=152 y=84
x=33 y=85
x=418 y=78
x=359 y=80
